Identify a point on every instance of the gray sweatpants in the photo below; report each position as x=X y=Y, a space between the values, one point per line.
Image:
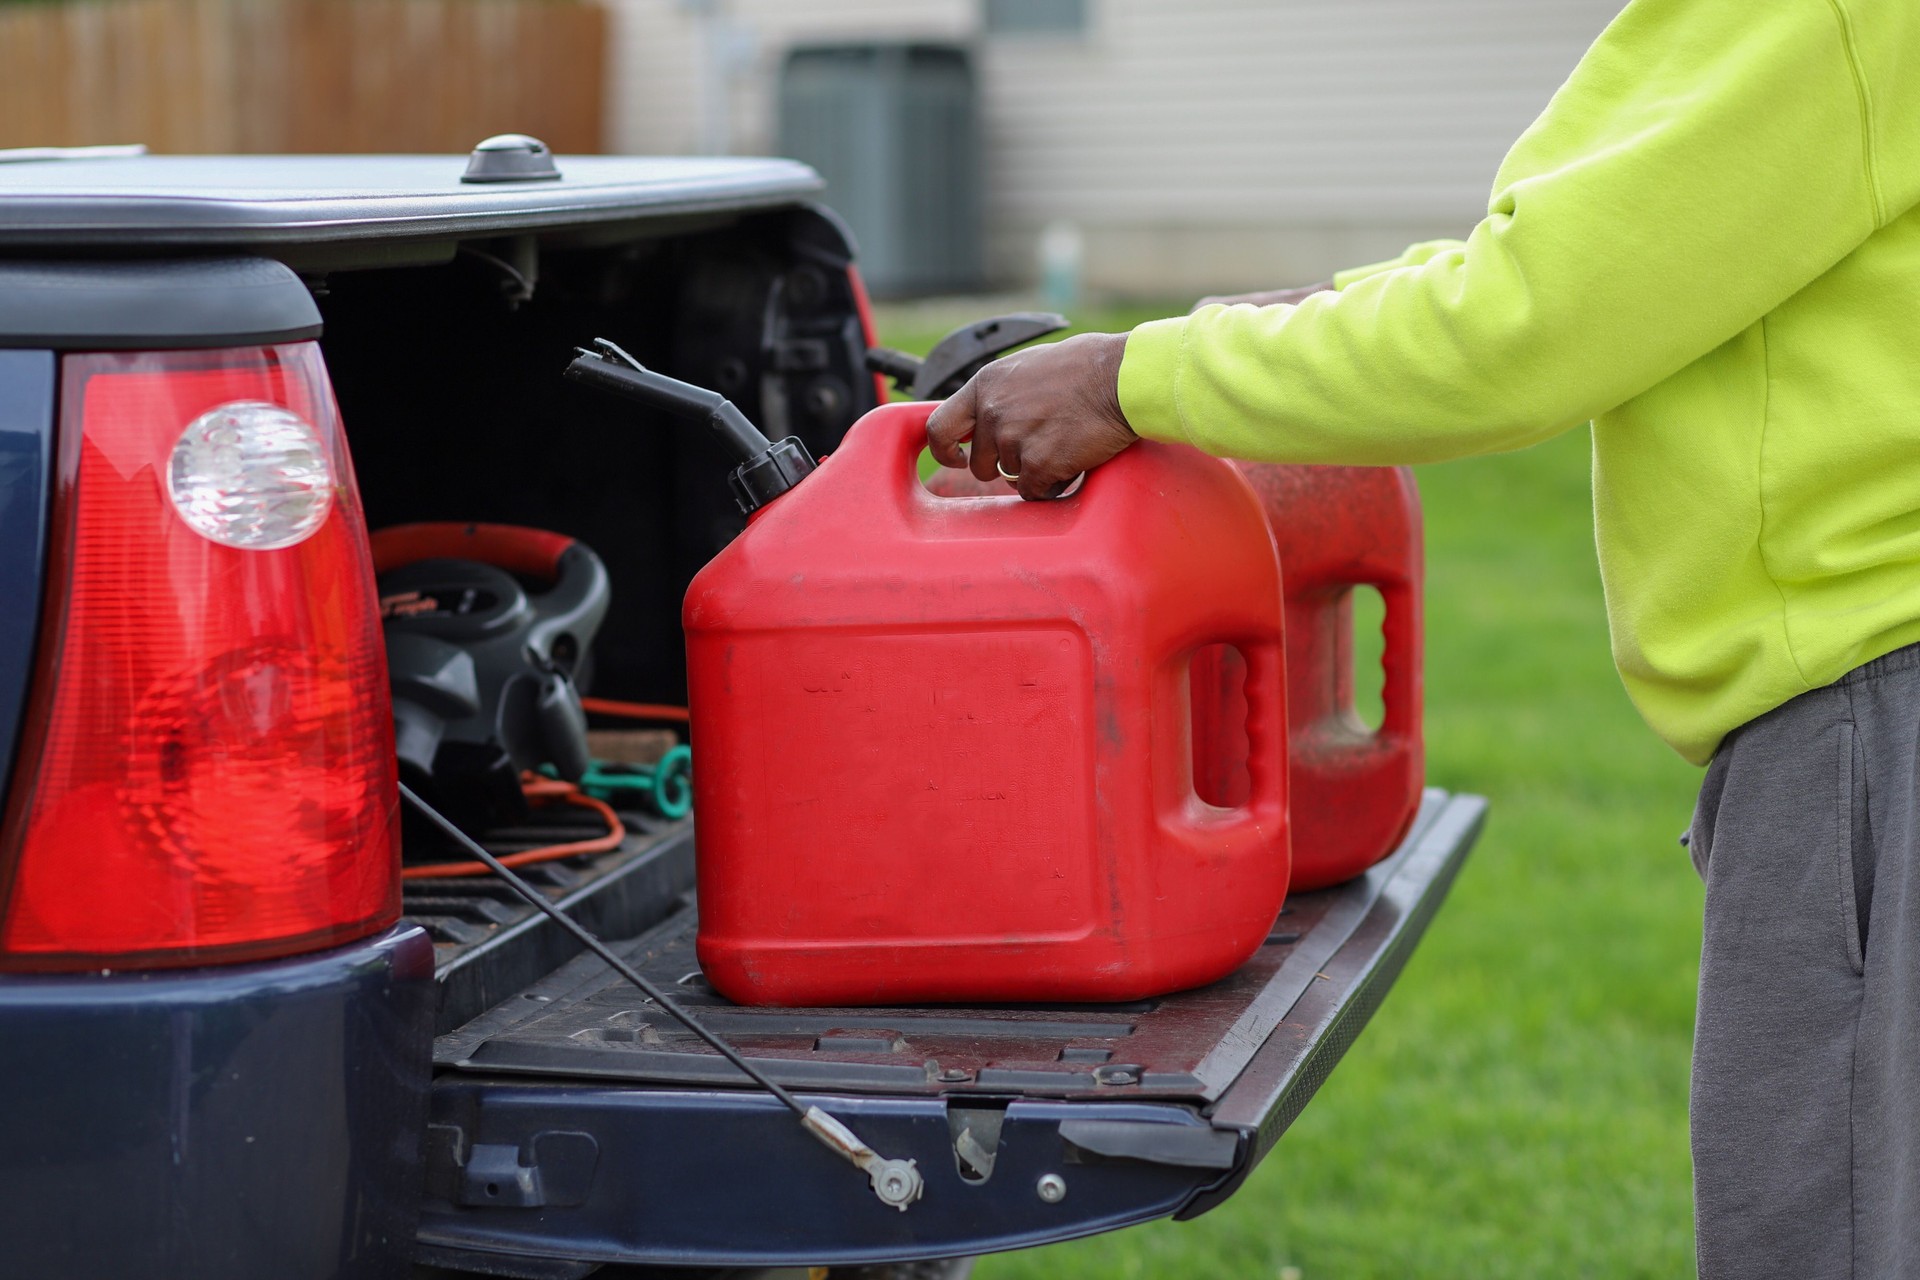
x=1806 y=1055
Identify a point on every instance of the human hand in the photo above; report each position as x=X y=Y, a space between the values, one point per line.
x=1039 y=417
x=1270 y=298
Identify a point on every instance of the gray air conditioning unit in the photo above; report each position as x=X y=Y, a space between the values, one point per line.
x=894 y=130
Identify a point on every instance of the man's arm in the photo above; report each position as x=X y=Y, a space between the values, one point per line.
x=1704 y=163
x=1264 y=297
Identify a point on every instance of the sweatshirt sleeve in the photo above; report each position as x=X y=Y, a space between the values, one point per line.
x=1416 y=256
x=1704 y=162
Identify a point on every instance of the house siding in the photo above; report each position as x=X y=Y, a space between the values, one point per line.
x=1198 y=145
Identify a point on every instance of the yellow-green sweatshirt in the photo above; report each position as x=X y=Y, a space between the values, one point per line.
x=1708 y=245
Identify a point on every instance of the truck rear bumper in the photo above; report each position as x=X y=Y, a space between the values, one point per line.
x=241 y=1121
x=532 y=1160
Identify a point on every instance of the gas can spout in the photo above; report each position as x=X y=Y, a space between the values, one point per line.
x=767 y=469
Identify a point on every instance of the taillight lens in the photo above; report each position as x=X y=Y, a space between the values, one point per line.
x=214 y=773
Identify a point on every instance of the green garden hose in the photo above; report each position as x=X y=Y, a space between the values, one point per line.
x=666 y=787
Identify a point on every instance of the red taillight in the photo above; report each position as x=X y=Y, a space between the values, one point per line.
x=864 y=306
x=209 y=772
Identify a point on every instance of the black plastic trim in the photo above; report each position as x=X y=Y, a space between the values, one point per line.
x=1184 y=1146
x=634 y=892
x=148 y=304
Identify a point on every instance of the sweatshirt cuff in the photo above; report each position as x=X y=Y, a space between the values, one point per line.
x=1149 y=370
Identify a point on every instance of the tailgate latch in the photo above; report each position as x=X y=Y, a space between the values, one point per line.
x=554 y=1169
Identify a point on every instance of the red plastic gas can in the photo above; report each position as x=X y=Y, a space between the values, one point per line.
x=1354 y=791
x=945 y=743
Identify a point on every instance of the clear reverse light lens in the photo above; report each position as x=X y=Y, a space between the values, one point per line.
x=251 y=474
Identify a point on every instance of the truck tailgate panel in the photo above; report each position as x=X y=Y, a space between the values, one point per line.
x=1149 y=1109
x=585 y=1021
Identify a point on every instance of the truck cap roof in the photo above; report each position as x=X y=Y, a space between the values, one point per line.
x=271 y=205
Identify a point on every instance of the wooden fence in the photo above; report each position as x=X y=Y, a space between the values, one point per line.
x=302 y=75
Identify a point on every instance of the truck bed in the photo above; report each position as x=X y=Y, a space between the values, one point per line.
x=566 y=1104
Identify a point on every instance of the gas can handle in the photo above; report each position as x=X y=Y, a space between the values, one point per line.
x=899 y=469
x=1257 y=809
x=1266 y=696
x=1400 y=665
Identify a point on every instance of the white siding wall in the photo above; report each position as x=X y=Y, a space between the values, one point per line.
x=1199 y=144
x=659 y=60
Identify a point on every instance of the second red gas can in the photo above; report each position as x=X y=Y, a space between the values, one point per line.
x=1354 y=790
x=946 y=743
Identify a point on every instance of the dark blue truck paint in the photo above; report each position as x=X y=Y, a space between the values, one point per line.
x=26 y=456
x=239 y=1122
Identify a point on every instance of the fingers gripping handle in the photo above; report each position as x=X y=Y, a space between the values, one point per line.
x=881 y=455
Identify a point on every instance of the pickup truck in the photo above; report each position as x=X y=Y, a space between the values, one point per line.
x=230 y=1044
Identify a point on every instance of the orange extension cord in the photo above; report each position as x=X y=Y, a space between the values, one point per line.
x=636 y=710
x=543 y=790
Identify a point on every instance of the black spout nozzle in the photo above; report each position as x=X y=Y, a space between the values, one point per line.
x=766 y=469
x=607 y=371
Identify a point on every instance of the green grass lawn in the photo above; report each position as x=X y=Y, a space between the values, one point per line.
x=1518 y=1107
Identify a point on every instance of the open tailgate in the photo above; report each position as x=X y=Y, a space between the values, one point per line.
x=572 y=1119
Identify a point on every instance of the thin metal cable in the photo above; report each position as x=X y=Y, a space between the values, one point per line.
x=599 y=948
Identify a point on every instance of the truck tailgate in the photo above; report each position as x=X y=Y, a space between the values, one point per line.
x=573 y=1119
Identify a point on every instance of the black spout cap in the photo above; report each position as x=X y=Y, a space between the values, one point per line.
x=759 y=481
x=766 y=469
